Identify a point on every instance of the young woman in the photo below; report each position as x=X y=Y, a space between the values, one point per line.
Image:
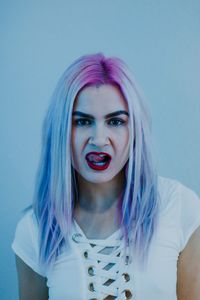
x=103 y=224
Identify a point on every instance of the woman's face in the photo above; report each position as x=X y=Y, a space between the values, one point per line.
x=100 y=133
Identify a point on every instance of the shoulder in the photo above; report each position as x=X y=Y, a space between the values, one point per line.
x=27 y=224
x=182 y=203
x=168 y=191
x=27 y=217
x=172 y=190
x=167 y=185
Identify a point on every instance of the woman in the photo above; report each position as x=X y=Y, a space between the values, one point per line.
x=103 y=224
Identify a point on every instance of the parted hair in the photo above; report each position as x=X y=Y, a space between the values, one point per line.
x=55 y=186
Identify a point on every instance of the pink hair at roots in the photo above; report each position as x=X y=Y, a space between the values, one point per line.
x=55 y=184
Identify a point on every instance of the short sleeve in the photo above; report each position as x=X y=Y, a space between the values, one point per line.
x=190 y=213
x=25 y=243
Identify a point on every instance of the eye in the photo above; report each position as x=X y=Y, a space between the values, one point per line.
x=82 y=122
x=116 y=122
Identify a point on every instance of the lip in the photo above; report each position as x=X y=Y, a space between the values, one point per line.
x=95 y=167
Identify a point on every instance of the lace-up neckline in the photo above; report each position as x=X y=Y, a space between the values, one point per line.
x=106 y=265
x=116 y=233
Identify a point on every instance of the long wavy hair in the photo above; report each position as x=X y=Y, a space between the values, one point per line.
x=55 y=186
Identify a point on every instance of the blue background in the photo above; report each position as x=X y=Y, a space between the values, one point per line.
x=158 y=39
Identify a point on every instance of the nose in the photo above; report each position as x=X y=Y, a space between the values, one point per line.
x=99 y=137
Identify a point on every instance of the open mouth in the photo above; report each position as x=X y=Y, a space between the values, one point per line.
x=98 y=160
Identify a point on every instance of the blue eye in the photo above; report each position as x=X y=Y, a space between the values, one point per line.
x=82 y=122
x=116 y=122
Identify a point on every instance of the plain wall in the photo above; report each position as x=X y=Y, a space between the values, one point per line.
x=160 y=42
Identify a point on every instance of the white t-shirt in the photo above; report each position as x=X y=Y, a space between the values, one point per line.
x=92 y=269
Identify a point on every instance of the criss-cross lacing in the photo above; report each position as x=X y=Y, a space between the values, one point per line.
x=106 y=267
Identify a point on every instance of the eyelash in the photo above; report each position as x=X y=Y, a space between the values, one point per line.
x=77 y=124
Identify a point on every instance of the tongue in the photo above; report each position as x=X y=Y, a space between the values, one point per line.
x=95 y=158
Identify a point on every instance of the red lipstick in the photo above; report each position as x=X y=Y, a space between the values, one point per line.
x=98 y=161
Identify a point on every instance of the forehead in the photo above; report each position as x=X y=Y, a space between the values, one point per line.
x=104 y=98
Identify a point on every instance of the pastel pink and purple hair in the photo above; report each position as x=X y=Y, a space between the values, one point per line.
x=55 y=185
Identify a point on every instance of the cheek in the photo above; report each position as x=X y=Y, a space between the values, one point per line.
x=77 y=144
x=124 y=143
x=122 y=149
x=124 y=138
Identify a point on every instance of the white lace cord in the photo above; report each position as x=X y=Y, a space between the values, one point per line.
x=104 y=271
x=108 y=268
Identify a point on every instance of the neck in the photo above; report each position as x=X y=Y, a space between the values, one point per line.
x=99 y=197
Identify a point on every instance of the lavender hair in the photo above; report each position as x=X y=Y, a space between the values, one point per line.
x=55 y=186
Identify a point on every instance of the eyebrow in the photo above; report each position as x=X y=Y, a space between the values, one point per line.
x=113 y=114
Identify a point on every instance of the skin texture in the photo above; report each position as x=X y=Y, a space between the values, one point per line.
x=31 y=285
x=188 y=269
x=100 y=134
x=99 y=191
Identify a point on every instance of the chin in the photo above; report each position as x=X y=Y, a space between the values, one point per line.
x=98 y=178
x=99 y=181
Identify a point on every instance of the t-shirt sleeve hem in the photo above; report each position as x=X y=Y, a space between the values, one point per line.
x=196 y=224
x=17 y=250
